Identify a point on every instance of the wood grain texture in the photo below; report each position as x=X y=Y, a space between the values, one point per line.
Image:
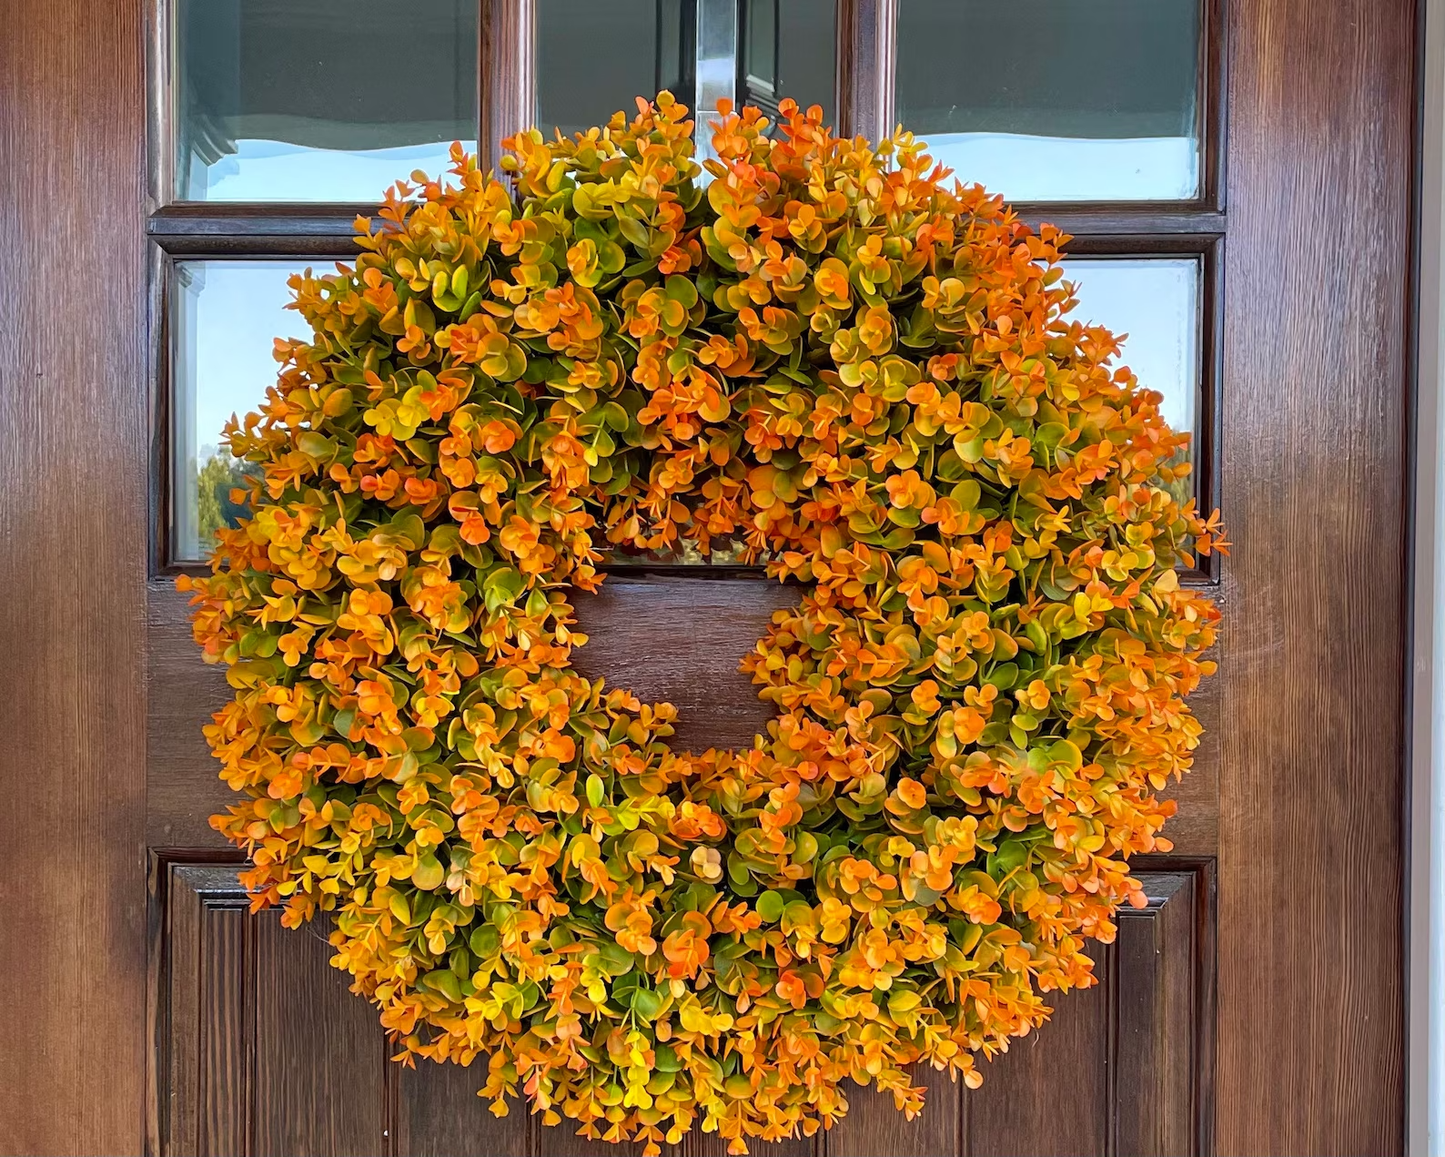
x=1194 y=829
x=865 y=67
x=321 y=1068
x=874 y=1126
x=1156 y=982
x=205 y=996
x=1313 y=491
x=227 y=1038
x=183 y=785
x=700 y=1144
x=438 y=1114
x=562 y=1141
x=266 y=1052
x=679 y=639
x=1122 y=1067
x=72 y=559
x=182 y=1069
x=1049 y=1094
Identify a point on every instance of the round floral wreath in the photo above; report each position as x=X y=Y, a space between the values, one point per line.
x=845 y=366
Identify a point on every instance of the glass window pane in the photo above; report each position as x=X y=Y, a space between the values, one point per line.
x=807 y=53
x=311 y=100
x=760 y=38
x=1104 y=107
x=595 y=57
x=787 y=49
x=225 y=318
x=1153 y=304
x=758 y=55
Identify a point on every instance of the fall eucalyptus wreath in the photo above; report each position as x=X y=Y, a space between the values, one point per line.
x=856 y=371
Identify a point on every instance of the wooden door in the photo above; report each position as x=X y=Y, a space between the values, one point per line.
x=1255 y=1004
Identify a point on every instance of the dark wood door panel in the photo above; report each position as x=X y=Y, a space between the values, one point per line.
x=1162 y=982
x=1050 y=1093
x=438 y=1114
x=1317 y=380
x=1304 y=720
x=1123 y=1067
x=873 y=1126
x=266 y=1051
x=204 y=1043
x=182 y=786
x=679 y=639
x=321 y=1069
x=667 y=637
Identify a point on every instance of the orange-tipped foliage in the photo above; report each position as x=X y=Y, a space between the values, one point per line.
x=837 y=361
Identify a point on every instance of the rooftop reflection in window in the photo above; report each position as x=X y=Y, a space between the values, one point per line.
x=1106 y=108
x=595 y=57
x=311 y=100
x=787 y=50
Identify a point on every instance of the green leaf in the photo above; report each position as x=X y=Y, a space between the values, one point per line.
x=646 y=1003
x=1010 y=855
x=502 y=587
x=616 y=960
x=428 y=873
x=1065 y=753
x=315 y=445
x=444 y=980
x=485 y=941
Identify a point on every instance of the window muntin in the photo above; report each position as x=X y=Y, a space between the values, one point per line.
x=816 y=33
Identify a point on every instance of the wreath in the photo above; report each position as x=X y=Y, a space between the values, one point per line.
x=845 y=367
